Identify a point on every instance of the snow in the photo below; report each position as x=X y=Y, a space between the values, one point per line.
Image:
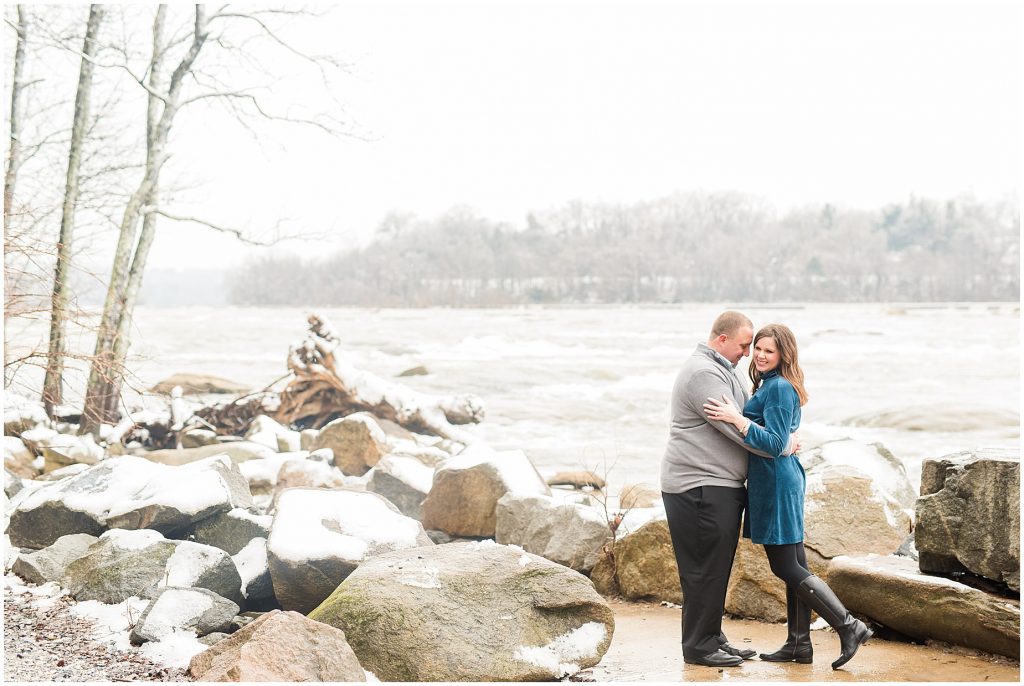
x=65 y=472
x=265 y=469
x=421 y=577
x=251 y=561
x=314 y=524
x=132 y=483
x=263 y=521
x=637 y=517
x=176 y=650
x=113 y=622
x=18 y=407
x=175 y=609
x=524 y=560
x=485 y=544
x=411 y=471
x=132 y=539
x=370 y=676
x=561 y=656
x=188 y=562
x=867 y=560
x=39 y=435
x=513 y=467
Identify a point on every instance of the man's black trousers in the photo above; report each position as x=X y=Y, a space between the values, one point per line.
x=705 y=527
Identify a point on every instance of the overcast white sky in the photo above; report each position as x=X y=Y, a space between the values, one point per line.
x=512 y=106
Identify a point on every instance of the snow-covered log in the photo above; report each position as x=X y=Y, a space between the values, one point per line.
x=328 y=385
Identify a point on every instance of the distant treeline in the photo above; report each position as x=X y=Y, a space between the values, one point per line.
x=683 y=248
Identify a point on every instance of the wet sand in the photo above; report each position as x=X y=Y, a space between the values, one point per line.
x=646 y=648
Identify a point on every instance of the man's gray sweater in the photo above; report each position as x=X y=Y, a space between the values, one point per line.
x=701 y=452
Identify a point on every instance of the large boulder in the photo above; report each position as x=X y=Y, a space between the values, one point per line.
x=892 y=591
x=281 y=647
x=319 y=537
x=466 y=490
x=357 y=440
x=566 y=533
x=469 y=612
x=128 y=493
x=125 y=563
x=50 y=563
x=172 y=609
x=404 y=480
x=645 y=564
x=757 y=593
x=232 y=530
x=885 y=470
x=968 y=516
x=847 y=511
x=307 y=474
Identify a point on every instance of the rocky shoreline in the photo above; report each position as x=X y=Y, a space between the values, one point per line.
x=233 y=554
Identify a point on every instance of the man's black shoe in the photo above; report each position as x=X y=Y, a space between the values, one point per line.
x=745 y=653
x=715 y=659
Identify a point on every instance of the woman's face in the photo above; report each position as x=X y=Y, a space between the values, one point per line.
x=766 y=354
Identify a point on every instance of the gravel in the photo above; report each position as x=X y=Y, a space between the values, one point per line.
x=43 y=641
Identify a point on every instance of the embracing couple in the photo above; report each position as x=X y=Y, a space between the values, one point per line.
x=721 y=437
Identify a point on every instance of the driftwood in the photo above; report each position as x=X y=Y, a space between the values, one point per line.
x=326 y=385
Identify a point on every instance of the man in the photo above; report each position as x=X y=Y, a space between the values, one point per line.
x=702 y=483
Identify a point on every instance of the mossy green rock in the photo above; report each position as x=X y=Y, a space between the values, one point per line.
x=469 y=612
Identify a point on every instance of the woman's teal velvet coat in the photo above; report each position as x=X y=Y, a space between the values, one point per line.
x=775 y=486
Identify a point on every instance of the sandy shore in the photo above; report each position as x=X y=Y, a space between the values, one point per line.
x=646 y=648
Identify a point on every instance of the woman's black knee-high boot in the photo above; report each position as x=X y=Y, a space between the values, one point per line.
x=853 y=633
x=798 y=646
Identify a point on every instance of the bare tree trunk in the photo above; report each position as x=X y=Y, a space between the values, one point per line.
x=17 y=85
x=52 y=384
x=105 y=376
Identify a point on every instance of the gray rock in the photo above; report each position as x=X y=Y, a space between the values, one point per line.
x=50 y=563
x=968 y=516
x=128 y=493
x=232 y=530
x=569 y=534
x=213 y=638
x=171 y=608
x=403 y=480
x=469 y=612
x=125 y=563
x=197 y=438
x=257 y=584
x=319 y=537
x=415 y=371
x=891 y=591
x=12 y=484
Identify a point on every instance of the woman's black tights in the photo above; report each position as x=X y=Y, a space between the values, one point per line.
x=788 y=562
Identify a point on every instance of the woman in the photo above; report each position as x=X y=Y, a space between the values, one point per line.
x=775 y=514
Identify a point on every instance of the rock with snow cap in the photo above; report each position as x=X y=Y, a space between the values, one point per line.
x=22 y=414
x=124 y=563
x=232 y=530
x=264 y=430
x=282 y=647
x=18 y=458
x=476 y=611
x=50 y=563
x=238 y=451
x=357 y=440
x=893 y=592
x=847 y=511
x=563 y=532
x=257 y=585
x=63 y=450
x=128 y=493
x=466 y=489
x=319 y=537
x=308 y=474
x=888 y=474
x=968 y=516
x=12 y=484
x=174 y=609
x=404 y=480
x=261 y=472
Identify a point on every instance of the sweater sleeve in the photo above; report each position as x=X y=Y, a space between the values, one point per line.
x=704 y=385
x=779 y=408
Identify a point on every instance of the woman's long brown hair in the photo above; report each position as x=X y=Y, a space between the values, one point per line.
x=789 y=366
